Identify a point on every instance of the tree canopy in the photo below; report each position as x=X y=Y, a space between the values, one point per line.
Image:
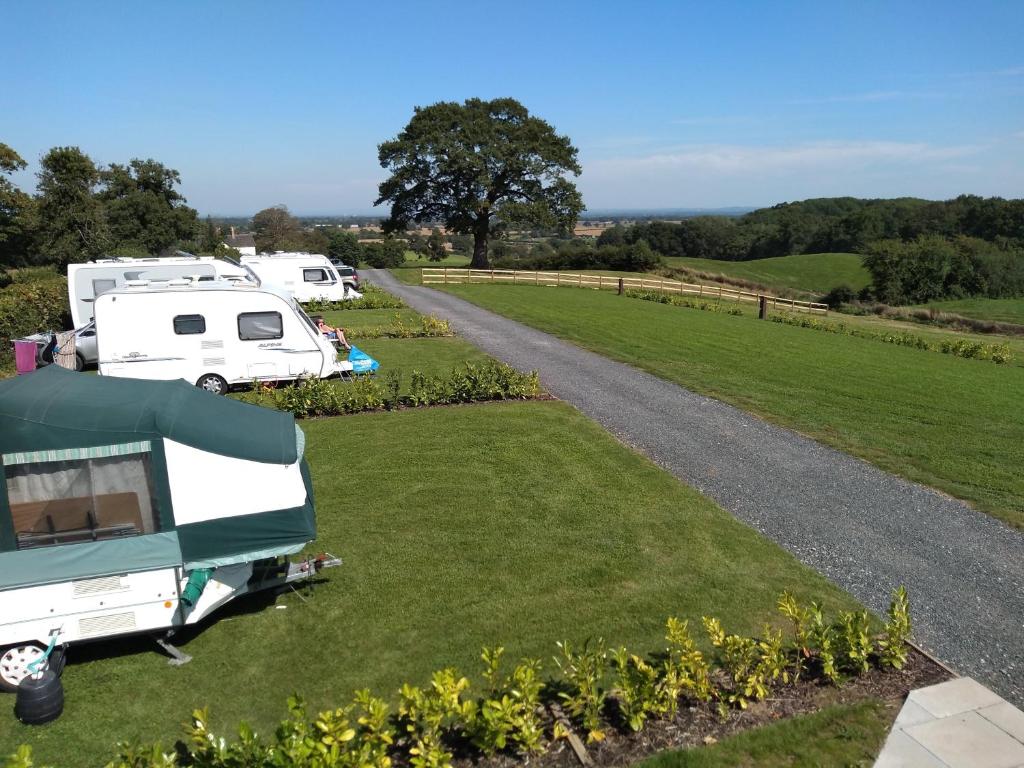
x=143 y=209
x=477 y=167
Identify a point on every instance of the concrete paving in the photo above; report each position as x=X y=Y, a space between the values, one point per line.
x=866 y=530
x=957 y=724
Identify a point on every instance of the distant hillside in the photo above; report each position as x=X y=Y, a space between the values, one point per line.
x=827 y=225
x=815 y=273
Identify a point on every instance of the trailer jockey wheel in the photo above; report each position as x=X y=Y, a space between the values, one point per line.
x=14 y=661
x=211 y=382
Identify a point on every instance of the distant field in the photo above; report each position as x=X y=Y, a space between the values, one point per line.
x=997 y=310
x=811 y=272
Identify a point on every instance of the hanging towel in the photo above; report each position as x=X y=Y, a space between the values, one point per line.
x=64 y=353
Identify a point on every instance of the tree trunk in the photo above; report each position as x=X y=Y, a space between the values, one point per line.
x=480 y=260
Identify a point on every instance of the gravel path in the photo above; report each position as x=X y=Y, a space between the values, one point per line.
x=866 y=530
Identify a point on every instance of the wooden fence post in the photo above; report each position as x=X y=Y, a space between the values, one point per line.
x=621 y=287
x=762 y=307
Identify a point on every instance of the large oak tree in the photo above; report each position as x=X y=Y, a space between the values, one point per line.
x=479 y=167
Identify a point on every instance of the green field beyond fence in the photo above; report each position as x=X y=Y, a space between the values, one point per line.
x=447 y=276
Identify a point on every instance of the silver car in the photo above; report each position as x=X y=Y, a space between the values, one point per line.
x=85 y=347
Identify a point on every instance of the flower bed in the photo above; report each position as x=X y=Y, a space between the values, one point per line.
x=625 y=705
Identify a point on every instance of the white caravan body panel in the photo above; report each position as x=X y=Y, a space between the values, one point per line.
x=306 y=276
x=236 y=331
x=89 y=280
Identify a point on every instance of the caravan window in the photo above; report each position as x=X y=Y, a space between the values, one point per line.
x=79 y=495
x=186 y=325
x=102 y=286
x=260 y=325
x=315 y=275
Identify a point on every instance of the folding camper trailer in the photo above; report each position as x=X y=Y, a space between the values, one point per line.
x=138 y=507
x=214 y=334
x=89 y=280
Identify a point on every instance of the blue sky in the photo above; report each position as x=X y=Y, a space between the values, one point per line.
x=671 y=104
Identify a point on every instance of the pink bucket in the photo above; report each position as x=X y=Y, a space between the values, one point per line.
x=25 y=356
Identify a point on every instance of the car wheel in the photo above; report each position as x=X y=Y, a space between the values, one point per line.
x=79 y=362
x=211 y=382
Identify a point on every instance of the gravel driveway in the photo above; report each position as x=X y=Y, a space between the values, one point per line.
x=866 y=530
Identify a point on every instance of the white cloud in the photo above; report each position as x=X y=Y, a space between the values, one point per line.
x=746 y=159
x=714 y=175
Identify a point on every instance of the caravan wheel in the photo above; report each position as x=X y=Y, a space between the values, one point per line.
x=211 y=382
x=14 y=661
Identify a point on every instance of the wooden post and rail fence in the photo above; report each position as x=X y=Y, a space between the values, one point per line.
x=450 y=276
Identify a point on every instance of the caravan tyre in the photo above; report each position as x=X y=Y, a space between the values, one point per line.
x=211 y=382
x=39 y=700
x=14 y=661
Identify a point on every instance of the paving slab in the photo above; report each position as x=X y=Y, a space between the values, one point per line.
x=953 y=697
x=866 y=530
x=901 y=751
x=968 y=740
x=1007 y=717
x=978 y=734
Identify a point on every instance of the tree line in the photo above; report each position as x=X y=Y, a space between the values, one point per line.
x=82 y=211
x=838 y=224
x=916 y=250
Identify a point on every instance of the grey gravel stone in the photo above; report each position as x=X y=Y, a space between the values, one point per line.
x=866 y=530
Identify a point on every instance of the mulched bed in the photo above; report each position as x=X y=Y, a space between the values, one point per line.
x=698 y=725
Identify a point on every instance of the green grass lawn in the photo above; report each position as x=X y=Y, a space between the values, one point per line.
x=947 y=422
x=998 y=310
x=811 y=272
x=841 y=735
x=512 y=523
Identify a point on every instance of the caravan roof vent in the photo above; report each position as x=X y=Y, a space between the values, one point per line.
x=136 y=283
x=180 y=281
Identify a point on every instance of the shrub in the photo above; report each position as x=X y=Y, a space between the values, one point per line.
x=841 y=294
x=471 y=383
x=31 y=306
x=683 y=301
x=372 y=298
x=584 y=672
x=997 y=353
x=508 y=715
x=429 y=327
x=433 y=721
x=893 y=646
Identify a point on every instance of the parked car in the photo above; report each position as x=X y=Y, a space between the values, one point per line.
x=348 y=274
x=85 y=347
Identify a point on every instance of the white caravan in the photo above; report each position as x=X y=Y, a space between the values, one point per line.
x=307 y=276
x=89 y=280
x=213 y=334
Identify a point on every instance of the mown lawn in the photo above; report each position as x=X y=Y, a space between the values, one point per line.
x=512 y=523
x=811 y=272
x=845 y=735
x=998 y=310
x=947 y=422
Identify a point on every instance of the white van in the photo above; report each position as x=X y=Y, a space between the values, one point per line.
x=307 y=276
x=214 y=334
x=89 y=280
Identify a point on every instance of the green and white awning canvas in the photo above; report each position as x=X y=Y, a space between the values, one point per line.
x=78 y=454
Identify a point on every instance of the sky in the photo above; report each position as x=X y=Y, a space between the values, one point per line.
x=671 y=104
